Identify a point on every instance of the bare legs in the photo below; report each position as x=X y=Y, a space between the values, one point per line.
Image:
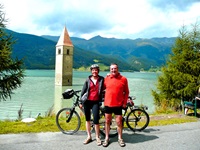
x=88 y=129
x=118 y=119
x=96 y=126
x=89 y=137
x=108 y=118
x=119 y=126
x=88 y=105
x=88 y=126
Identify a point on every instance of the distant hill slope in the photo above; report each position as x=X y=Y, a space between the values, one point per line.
x=39 y=51
x=139 y=53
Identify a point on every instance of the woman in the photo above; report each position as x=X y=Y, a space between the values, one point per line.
x=90 y=97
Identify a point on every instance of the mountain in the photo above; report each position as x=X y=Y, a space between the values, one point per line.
x=38 y=52
x=139 y=53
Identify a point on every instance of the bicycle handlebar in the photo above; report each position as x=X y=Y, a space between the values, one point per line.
x=129 y=101
x=132 y=97
x=75 y=92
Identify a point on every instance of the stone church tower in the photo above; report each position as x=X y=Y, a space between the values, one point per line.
x=64 y=60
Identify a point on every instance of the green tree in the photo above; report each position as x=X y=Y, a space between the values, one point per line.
x=11 y=70
x=180 y=76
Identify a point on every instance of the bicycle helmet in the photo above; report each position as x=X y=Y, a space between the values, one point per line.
x=94 y=66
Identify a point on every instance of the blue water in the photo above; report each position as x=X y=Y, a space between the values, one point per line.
x=38 y=92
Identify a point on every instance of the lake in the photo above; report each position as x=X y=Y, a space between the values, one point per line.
x=38 y=92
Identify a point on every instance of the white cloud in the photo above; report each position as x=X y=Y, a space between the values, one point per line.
x=108 y=18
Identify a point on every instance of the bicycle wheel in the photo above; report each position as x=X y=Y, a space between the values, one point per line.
x=67 y=121
x=113 y=127
x=137 y=120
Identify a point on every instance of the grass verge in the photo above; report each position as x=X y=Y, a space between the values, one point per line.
x=174 y=118
x=48 y=124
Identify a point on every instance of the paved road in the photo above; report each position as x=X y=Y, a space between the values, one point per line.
x=172 y=137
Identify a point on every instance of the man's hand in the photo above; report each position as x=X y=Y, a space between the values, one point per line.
x=124 y=107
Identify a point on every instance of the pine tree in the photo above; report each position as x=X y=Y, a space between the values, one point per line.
x=180 y=77
x=11 y=70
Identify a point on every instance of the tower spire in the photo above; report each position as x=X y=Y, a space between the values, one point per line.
x=64 y=39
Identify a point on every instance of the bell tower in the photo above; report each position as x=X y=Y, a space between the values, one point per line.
x=64 y=60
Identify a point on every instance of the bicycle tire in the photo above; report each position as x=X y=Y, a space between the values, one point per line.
x=113 y=127
x=137 y=120
x=68 y=122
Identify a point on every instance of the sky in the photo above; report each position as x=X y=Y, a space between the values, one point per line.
x=127 y=19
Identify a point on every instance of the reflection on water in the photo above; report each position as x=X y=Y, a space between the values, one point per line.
x=38 y=92
x=58 y=98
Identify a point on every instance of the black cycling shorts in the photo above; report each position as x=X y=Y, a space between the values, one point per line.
x=94 y=106
x=115 y=110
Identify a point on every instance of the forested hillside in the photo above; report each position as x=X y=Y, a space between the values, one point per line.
x=131 y=55
x=139 y=53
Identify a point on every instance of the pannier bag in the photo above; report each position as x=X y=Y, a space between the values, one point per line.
x=69 y=93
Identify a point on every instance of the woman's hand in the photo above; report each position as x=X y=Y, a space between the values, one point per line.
x=81 y=106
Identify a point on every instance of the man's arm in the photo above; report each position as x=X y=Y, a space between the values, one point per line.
x=126 y=93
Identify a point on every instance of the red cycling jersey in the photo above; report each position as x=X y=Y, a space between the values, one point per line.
x=94 y=91
x=117 y=91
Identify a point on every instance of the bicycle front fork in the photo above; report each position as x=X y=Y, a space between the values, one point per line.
x=70 y=115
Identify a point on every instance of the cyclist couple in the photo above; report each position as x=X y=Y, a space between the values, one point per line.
x=116 y=95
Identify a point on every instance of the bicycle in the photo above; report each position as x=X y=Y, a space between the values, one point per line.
x=68 y=119
x=136 y=118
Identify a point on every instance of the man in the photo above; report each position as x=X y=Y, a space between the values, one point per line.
x=116 y=96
